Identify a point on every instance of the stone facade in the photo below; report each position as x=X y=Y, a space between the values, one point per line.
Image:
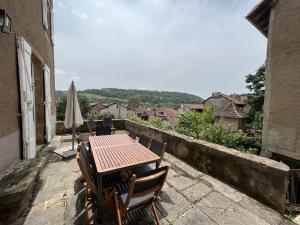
x=27 y=21
x=281 y=132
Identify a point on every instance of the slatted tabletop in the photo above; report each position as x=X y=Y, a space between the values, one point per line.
x=110 y=140
x=115 y=152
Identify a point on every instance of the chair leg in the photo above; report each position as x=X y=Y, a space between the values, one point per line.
x=155 y=213
x=118 y=214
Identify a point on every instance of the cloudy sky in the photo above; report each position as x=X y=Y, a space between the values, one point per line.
x=193 y=46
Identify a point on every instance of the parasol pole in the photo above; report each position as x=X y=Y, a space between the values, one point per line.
x=73 y=128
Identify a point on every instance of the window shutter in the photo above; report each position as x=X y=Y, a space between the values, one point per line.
x=45 y=13
x=27 y=98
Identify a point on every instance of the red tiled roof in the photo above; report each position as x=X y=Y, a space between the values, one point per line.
x=98 y=106
x=230 y=111
x=167 y=113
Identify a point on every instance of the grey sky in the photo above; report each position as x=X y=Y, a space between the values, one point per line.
x=194 y=46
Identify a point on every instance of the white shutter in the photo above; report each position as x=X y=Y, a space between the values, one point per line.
x=45 y=13
x=27 y=99
x=48 y=101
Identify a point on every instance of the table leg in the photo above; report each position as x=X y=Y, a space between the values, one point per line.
x=99 y=199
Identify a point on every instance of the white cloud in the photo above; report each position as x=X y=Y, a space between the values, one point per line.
x=99 y=21
x=83 y=16
x=61 y=5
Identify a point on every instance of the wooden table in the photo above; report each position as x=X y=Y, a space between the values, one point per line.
x=113 y=153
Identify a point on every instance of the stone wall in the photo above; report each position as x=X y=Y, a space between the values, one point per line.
x=261 y=178
x=60 y=129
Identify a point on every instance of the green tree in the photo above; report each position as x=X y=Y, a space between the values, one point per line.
x=256 y=84
x=134 y=102
x=193 y=123
x=84 y=105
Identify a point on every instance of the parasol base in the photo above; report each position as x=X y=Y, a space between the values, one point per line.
x=66 y=152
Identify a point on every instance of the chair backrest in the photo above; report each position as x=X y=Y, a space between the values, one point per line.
x=143 y=184
x=144 y=140
x=88 y=157
x=132 y=135
x=83 y=165
x=107 y=122
x=91 y=124
x=103 y=131
x=158 y=148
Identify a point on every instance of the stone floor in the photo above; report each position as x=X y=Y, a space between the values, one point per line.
x=188 y=197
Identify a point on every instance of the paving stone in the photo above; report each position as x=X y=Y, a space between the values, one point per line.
x=226 y=212
x=196 y=192
x=194 y=217
x=74 y=207
x=181 y=183
x=165 y=163
x=287 y=222
x=224 y=189
x=190 y=171
x=297 y=220
x=269 y=215
x=172 y=159
x=172 y=204
x=50 y=212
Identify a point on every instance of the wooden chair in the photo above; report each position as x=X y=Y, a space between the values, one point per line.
x=143 y=192
x=107 y=122
x=91 y=191
x=91 y=124
x=159 y=149
x=132 y=135
x=144 y=140
x=89 y=159
x=103 y=131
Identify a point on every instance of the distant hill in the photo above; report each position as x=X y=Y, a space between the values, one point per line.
x=148 y=98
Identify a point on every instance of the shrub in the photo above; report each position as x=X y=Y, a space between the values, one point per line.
x=105 y=115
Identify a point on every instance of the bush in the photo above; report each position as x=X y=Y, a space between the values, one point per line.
x=105 y=115
x=201 y=126
x=193 y=123
x=163 y=125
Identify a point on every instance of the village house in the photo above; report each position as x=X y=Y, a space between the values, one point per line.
x=278 y=21
x=240 y=97
x=190 y=107
x=228 y=110
x=28 y=111
x=219 y=101
x=118 y=111
x=231 y=116
x=166 y=114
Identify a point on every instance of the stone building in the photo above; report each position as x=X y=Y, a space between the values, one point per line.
x=190 y=107
x=279 y=21
x=117 y=110
x=219 y=101
x=231 y=116
x=27 y=92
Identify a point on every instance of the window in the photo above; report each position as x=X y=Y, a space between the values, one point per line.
x=5 y=21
